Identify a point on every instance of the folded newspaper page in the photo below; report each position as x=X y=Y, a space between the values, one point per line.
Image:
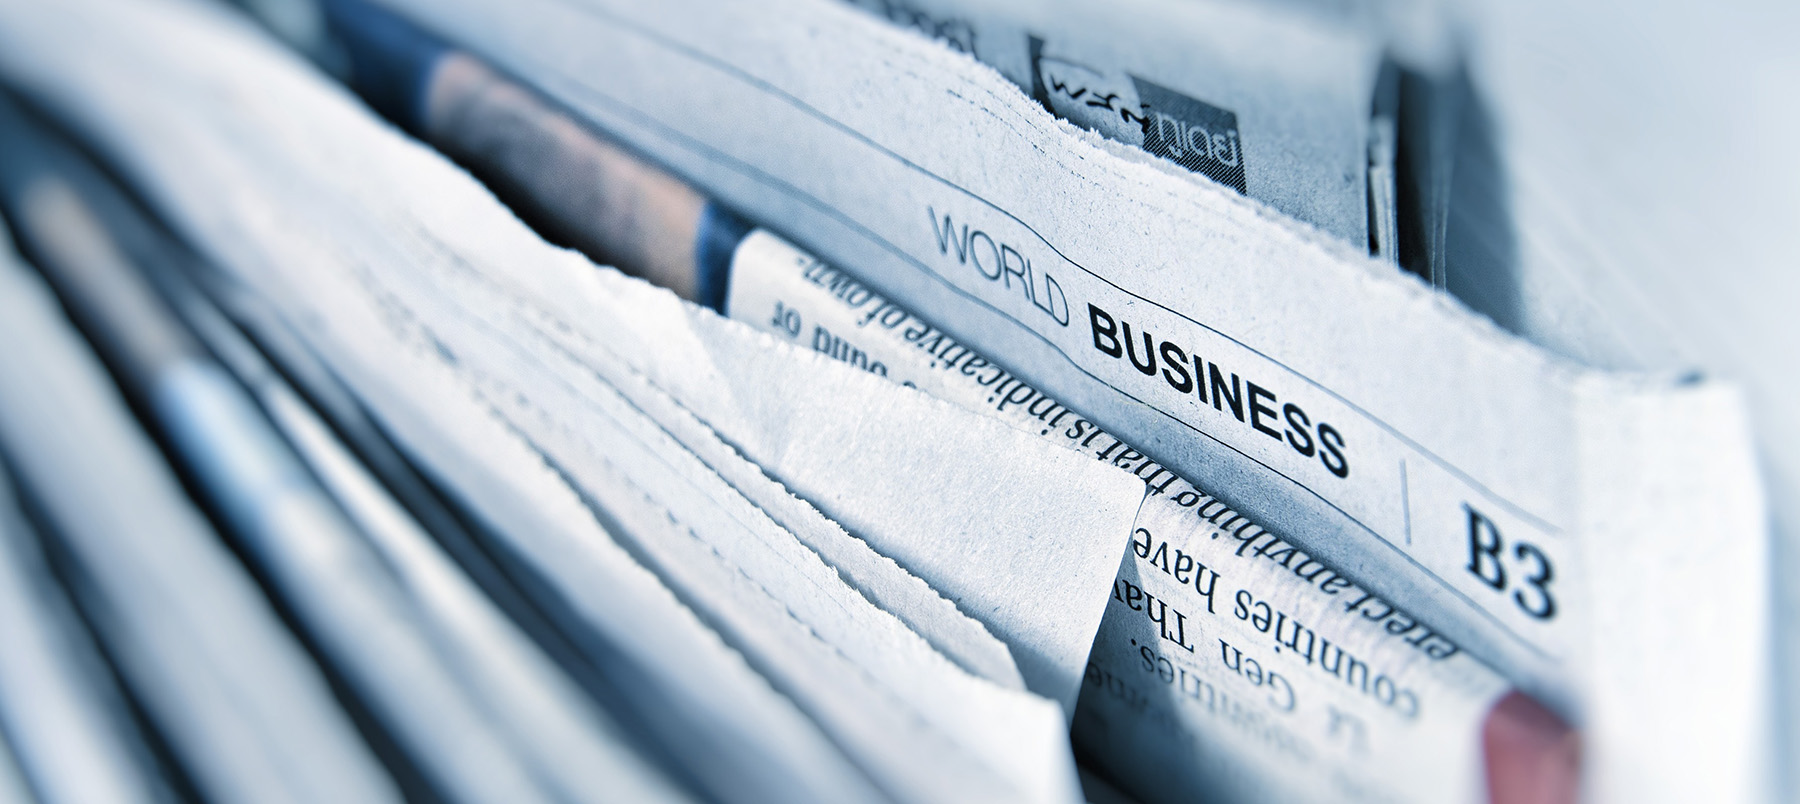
x=441 y=312
x=1014 y=539
x=1436 y=462
x=1271 y=670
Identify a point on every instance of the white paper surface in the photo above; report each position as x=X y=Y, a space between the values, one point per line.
x=895 y=704
x=960 y=638
x=875 y=150
x=1015 y=535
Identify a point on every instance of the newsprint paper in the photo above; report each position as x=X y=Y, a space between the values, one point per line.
x=1597 y=538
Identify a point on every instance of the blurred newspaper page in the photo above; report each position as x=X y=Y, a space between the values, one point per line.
x=1511 y=498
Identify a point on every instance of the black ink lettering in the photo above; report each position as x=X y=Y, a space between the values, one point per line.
x=1236 y=400
x=1484 y=550
x=1259 y=411
x=1299 y=432
x=1148 y=367
x=1545 y=606
x=1333 y=453
x=1109 y=331
x=1176 y=361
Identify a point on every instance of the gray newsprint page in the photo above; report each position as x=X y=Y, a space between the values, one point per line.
x=1272 y=102
x=1513 y=500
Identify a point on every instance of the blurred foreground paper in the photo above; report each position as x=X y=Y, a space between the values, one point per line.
x=232 y=692
x=459 y=329
x=468 y=645
x=66 y=734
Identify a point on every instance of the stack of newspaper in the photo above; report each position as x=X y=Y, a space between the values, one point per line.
x=806 y=400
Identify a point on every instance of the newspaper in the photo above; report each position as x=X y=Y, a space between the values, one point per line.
x=1231 y=664
x=1438 y=462
x=466 y=335
x=1272 y=102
